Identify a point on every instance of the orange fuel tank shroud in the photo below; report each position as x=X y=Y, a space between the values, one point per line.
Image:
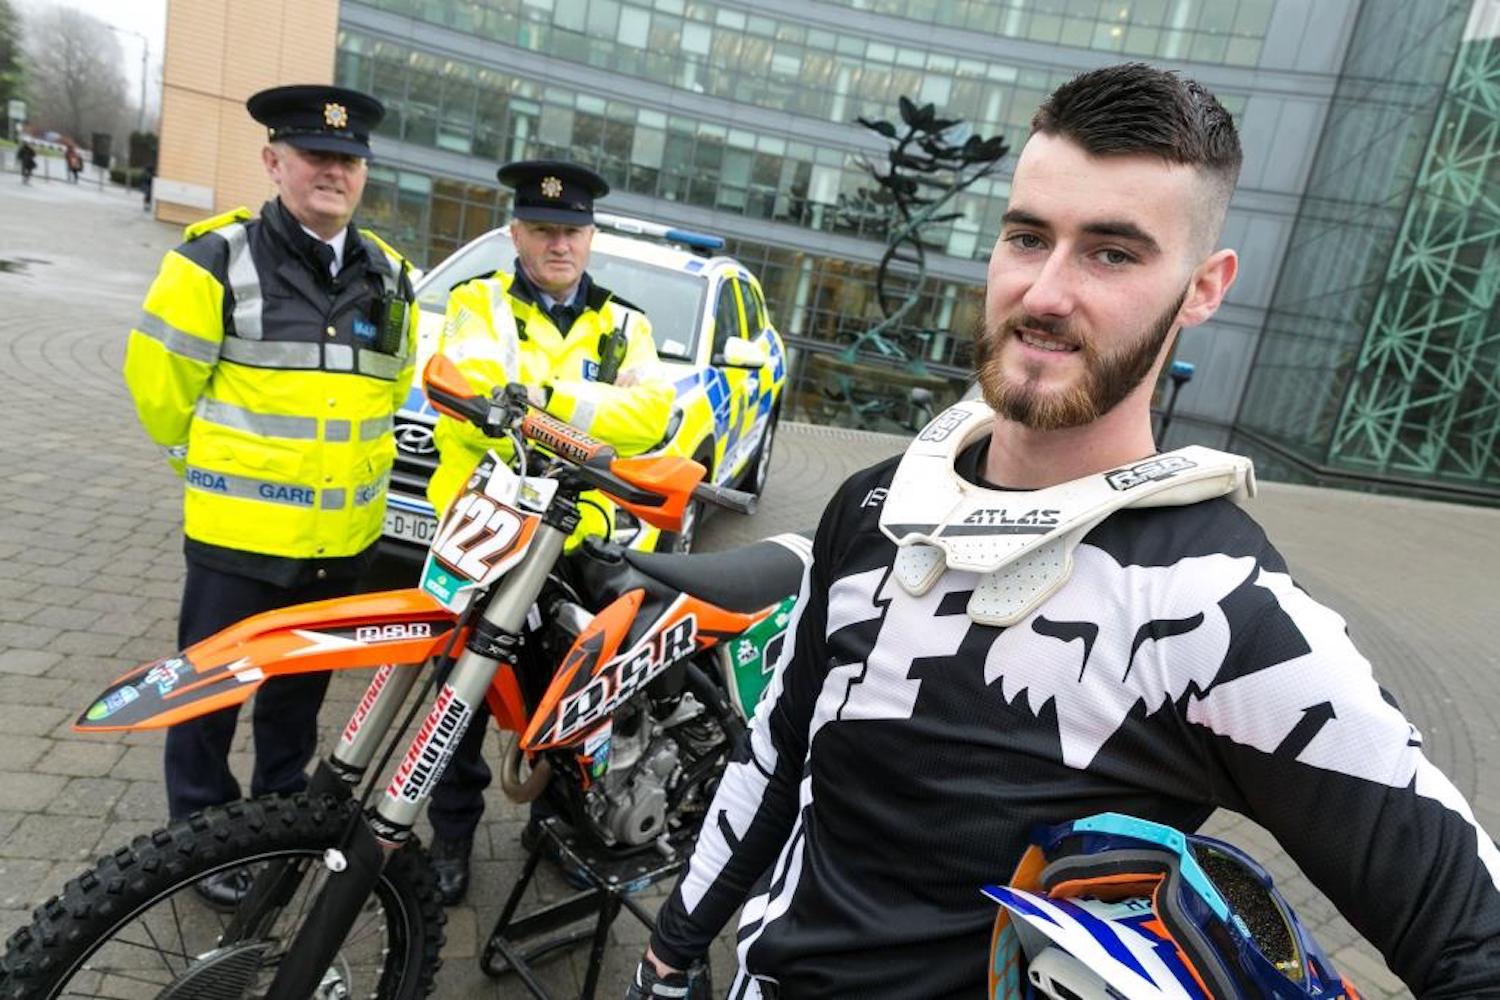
x=397 y=626
x=713 y=624
x=595 y=645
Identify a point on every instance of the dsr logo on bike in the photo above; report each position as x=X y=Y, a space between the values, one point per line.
x=623 y=676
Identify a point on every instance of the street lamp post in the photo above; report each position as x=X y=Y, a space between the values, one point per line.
x=140 y=116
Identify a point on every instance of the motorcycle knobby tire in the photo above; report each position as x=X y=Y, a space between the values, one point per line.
x=41 y=958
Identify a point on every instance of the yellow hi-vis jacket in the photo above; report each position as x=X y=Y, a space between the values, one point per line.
x=272 y=386
x=496 y=333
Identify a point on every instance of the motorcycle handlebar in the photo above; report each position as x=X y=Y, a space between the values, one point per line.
x=721 y=496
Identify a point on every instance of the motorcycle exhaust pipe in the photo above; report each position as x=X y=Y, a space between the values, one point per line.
x=515 y=787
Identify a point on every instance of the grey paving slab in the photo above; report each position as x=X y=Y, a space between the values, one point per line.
x=90 y=553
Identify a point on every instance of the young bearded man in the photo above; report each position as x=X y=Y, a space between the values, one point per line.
x=927 y=718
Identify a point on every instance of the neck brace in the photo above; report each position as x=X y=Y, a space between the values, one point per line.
x=1021 y=542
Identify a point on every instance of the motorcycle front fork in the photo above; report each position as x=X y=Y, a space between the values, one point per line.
x=354 y=870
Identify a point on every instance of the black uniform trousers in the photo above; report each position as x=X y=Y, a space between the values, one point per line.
x=285 y=715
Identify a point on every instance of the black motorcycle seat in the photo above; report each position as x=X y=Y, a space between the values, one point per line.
x=745 y=579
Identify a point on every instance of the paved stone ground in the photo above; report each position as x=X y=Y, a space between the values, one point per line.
x=90 y=573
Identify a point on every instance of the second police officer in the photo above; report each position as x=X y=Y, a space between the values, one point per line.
x=585 y=355
x=270 y=357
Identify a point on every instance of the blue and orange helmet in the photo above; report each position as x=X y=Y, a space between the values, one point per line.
x=1113 y=906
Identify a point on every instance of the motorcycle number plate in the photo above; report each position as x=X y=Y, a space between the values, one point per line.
x=480 y=538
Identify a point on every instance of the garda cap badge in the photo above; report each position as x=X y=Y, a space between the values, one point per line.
x=552 y=187
x=335 y=115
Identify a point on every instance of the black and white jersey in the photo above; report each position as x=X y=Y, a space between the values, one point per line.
x=903 y=753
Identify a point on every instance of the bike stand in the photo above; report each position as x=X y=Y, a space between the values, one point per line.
x=612 y=881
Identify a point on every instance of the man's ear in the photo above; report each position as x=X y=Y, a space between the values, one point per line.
x=271 y=161
x=1209 y=284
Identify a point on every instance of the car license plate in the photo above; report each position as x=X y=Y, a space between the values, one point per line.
x=415 y=528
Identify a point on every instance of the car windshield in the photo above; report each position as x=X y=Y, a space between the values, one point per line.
x=672 y=300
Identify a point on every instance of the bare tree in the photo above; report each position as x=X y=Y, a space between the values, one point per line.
x=73 y=70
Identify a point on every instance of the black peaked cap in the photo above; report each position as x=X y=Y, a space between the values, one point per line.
x=318 y=117
x=553 y=191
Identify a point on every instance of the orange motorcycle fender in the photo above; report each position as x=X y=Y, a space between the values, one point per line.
x=403 y=627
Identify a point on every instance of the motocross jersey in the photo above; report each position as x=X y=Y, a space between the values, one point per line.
x=903 y=752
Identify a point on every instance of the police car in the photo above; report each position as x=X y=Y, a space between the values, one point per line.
x=713 y=335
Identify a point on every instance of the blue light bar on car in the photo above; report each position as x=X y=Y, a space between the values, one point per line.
x=641 y=227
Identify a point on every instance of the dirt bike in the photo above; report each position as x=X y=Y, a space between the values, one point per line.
x=628 y=734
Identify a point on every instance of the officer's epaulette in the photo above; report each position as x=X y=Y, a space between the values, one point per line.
x=464 y=281
x=598 y=296
x=219 y=221
x=389 y=250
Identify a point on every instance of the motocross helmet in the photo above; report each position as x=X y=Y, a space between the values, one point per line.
x=1113 y=906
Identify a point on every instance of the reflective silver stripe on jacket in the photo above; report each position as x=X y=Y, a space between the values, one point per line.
x=264 y=424
x=336 y=430
x=338 y=357
x=375 y=428
x=248 y=488
x=272 y=353
x=386 y=366
x=244 y=282
x=178 y=341
x=332 y=499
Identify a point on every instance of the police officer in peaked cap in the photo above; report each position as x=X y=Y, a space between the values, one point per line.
x=273 y=398
x=587 y=357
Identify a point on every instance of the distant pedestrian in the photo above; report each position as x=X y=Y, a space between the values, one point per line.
x=26 y=156
x=147 y=173
x=74 y=159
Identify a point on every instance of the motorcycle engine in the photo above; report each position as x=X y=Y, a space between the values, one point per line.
x=644 y=762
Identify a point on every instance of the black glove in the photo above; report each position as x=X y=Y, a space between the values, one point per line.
x=647 y=983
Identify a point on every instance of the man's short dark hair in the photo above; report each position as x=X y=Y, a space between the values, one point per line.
x=1136 y=109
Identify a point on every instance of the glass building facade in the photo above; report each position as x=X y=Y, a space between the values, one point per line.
x=1380 y=360
x=737 y=117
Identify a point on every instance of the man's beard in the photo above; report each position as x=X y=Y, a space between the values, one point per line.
x=1107 y=378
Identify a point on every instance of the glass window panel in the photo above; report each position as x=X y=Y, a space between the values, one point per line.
x=1209 y=48
x=732 y=19
x=588 y=102
x=569 y=16
x=825 y=40
x=1141 y=41
x=880 y=52
x=1217 y=17
x=1044 y=28
x=762 y=26
x=604 y=18
x=1098 y=35
x=912 y=58
x=1252 y=18
x=670 y=6
x=1151 y=12
x=651 y=119
x=635 y=26
x=646 y=147
x=852 y=46
x=696 y=38
x=556 y=125
x=936 y=90
x=1243 y=52
x=786 y=60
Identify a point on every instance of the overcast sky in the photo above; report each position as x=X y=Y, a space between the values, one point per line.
x=147 y=18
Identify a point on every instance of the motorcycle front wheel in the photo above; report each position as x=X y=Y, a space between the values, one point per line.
x=133 y=925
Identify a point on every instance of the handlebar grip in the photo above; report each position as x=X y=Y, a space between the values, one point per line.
x=720 y=496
